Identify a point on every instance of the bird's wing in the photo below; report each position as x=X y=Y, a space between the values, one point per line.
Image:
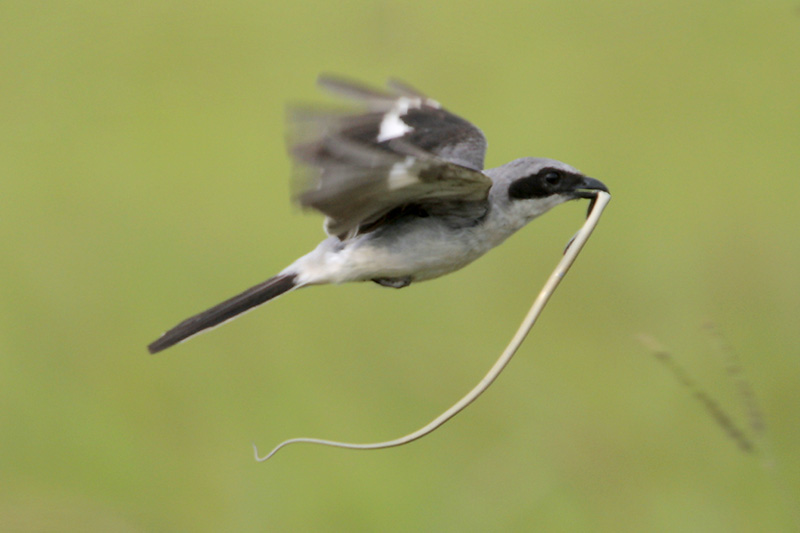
x=398 y=151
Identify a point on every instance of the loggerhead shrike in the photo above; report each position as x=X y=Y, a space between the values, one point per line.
x=402 y=186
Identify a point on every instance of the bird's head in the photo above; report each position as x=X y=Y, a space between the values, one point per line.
x=532 y=186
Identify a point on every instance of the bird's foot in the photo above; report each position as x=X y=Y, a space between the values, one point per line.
x=395 y=283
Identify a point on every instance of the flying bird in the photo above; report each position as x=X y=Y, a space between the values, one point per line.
x=405 y=196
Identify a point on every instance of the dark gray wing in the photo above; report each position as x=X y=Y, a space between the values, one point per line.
x=398 y=152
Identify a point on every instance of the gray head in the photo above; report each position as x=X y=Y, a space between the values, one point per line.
x=532 y=186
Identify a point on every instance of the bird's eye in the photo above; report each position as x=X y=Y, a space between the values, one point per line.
x=552 y=177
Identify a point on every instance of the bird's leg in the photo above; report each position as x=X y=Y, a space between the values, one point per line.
x=395 y=283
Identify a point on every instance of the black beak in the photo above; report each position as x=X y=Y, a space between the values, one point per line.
x=589 y=187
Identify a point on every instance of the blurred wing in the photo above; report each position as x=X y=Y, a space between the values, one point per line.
x=404 y=113
x=400 y=151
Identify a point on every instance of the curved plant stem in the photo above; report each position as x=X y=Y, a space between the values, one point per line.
x=570 y=254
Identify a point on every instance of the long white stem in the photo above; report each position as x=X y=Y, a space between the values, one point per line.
x=555 y=278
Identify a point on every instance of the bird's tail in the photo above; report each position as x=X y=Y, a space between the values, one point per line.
x=227 y=310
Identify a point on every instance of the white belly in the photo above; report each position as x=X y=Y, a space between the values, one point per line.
x=421 y=252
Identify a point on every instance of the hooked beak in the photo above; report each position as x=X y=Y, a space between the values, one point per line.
x=589 y=187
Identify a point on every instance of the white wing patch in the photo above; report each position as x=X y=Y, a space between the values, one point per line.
x=399 y=176
x=392 y=126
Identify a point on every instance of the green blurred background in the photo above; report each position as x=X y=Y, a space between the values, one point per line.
x=144 y=178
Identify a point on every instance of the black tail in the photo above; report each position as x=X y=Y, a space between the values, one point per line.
x=225 y=311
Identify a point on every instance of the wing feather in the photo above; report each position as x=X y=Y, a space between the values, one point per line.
x=397 y=149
